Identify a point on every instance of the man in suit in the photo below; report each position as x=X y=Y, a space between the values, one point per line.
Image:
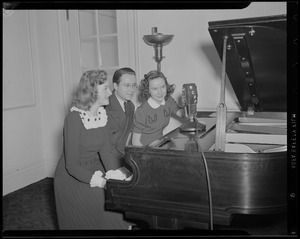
x=120 y=110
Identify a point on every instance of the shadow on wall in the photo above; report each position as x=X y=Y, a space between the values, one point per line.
x=216 y=65
x=213 y=57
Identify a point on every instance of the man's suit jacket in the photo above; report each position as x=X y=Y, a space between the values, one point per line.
x=119 y=125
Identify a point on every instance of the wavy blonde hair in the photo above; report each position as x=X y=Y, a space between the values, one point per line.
x=86 y=92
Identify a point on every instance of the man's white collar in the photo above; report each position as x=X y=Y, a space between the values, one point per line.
x=121 y=101
x=154 y=104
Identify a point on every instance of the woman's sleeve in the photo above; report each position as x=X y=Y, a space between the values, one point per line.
x=110 y=157
x=72 y=129
x=173 y=105
x=138 y=121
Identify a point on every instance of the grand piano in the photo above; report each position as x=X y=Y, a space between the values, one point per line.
x=237 y=164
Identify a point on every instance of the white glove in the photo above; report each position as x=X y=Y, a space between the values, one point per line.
x=115 y=174
x=129 y=178
x=97 y=180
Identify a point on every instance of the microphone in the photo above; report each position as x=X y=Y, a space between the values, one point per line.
x=189 y=100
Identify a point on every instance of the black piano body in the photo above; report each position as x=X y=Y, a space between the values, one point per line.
x=176 y=188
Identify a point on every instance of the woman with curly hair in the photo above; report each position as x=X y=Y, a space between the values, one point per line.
x=87 y=160
x=154 y=114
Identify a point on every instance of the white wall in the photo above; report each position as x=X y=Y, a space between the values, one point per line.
x=51 y=86
x=23 y=151
x=32 y=133
x=191 y=56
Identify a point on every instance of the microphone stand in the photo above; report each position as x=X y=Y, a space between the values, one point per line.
x=193 y=127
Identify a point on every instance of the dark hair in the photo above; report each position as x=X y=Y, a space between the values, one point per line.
x=144 y=87
x=86 y=92
x=118 y=74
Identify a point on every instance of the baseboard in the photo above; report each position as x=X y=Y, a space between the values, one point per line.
x=20 y=177
x=50 y=167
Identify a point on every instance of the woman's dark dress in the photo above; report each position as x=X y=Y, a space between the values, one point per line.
x=78 y=205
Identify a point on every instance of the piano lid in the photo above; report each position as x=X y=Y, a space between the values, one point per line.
x=255 y=60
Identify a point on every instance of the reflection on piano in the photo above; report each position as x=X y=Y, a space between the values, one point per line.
x=247 y=175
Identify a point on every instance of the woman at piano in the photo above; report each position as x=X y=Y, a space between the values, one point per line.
x=154 y=114
x=87 y=160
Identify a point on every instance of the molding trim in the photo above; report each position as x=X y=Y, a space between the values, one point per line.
x=20 y=177
x=136 y=44
x=65 y=57
x=50 y=167
x=30 y=100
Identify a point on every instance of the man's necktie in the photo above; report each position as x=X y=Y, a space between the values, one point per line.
x=126 y=107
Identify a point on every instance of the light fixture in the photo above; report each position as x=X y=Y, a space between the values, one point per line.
x=158 y=40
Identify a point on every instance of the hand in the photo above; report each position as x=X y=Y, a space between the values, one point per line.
x=115 y=174
x=125 y=171
x=118 y=174
x=156 y=142
x=102 y=184
x=129 y=178
x=97 y=180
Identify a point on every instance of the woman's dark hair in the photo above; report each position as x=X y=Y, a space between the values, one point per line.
x=118 y=74
x=144 y=87
x=86 y=92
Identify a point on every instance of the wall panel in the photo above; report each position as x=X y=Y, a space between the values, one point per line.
x=18 y=79
x=23 y=151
